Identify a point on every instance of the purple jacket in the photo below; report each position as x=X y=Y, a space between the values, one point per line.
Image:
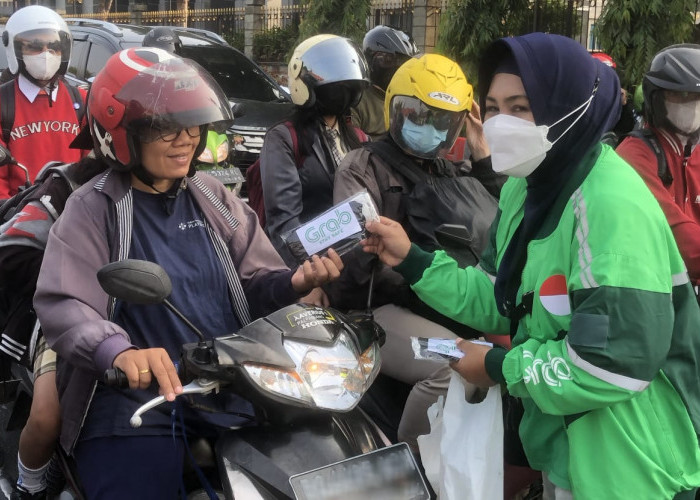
x=95 y=229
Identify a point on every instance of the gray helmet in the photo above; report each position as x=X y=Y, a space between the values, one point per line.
x=386 y=49
x=677 y=68
x=164 y=38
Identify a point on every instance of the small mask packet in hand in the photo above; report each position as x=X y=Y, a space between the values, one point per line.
x=341 y=228
x=439 y=349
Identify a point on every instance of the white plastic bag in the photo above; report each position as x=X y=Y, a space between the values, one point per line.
x=429 y=444
x=471 y=446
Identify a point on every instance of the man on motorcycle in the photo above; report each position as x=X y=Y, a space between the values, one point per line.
x=149 y=112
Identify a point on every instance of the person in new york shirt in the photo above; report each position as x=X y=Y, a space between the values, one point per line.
x=45 y=118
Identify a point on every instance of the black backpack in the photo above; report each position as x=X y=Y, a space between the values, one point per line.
x=7 y=106
x=20 y=259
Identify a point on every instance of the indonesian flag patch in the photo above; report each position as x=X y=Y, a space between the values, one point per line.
x=554 y=295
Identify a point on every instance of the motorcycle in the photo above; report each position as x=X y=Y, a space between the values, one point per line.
x=214 y=160
x=304 y=369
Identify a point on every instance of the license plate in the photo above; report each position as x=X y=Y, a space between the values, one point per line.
x=389 y=473
x=226 y=175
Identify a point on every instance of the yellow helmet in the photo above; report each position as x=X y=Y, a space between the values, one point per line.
x=429 y=90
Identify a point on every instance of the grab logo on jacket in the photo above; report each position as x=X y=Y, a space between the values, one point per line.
x=44 y=127
x=552 y=371
x=554 y=295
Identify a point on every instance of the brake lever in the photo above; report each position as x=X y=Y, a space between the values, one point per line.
x=197 y=386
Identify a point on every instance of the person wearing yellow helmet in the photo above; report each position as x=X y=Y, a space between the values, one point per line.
x=427 y=103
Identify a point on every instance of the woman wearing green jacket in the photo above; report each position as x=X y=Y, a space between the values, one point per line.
x=584 y=273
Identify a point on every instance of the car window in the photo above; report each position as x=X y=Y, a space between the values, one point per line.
x=97 y=58
x=239 y=77
x=76 y=55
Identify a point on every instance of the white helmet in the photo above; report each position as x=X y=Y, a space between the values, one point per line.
x=325 y=59
x=29 y=21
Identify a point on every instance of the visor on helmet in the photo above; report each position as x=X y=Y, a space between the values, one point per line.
x=404 y=108
x=173 y=94
x=333 y=60
x=35 y=42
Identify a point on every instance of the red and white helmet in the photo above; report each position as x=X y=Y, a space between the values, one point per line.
x=604 y=58
x=147 y=87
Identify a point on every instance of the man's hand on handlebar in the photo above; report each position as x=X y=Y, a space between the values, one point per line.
x=141 y=365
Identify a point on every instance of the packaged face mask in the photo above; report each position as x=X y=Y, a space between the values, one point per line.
x=341 y=228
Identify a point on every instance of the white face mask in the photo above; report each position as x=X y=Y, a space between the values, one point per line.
x=684 y=116
x=519 y=146
x=42 y=66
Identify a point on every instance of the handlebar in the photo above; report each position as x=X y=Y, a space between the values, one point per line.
x=115 y=377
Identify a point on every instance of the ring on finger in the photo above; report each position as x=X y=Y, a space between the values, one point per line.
x=144 y=371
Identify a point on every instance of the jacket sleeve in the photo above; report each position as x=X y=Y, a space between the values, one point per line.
x=462 y=294
x=266 y=280
x=618 y=340
x=70 y=304
x=685 y=230
x=281 y=185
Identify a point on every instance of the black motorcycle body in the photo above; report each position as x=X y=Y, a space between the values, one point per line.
x=304 y=369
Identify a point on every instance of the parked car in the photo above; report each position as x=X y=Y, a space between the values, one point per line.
x=258 y=101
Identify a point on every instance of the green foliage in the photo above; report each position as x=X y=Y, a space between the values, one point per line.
x=273 y=44
x=469 y=26
x=632 y=31
x=339 y=17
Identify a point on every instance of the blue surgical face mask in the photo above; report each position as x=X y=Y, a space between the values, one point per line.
x=422 y=139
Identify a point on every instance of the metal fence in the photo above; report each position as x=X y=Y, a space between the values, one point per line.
x=573 y=18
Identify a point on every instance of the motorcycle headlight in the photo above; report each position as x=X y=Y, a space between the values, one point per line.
x=329 y=377
x=370 y=360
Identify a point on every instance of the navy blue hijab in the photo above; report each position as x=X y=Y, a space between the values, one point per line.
x=558 y=75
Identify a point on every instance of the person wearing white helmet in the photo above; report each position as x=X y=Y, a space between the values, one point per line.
x=44 y=116
x=327 y=75
x=38 y=46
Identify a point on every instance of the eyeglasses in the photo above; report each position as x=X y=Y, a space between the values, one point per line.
x=169 y=134
x=35 y=47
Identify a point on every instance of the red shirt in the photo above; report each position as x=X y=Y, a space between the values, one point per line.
x=681 y=200
x=41 y=133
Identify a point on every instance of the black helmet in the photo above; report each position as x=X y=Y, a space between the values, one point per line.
x=386 y=49
x=164 y=38
x=677 y=68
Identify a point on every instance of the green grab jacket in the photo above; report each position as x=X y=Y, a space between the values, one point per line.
x=607 y=362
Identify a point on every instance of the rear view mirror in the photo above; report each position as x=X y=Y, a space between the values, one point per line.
x=135 y=281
